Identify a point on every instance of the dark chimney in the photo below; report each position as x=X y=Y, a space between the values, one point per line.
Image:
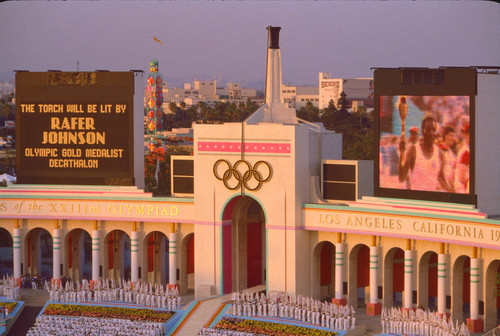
x=274 y=35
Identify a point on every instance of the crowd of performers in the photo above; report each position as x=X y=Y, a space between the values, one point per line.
x=138 y=293
x=297 y=307
x=420 y=322
x=9 y=288
x=56 y=325
x=218 y=332
x=275 y=304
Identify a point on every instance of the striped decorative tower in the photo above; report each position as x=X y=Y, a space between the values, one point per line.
x=154 y=101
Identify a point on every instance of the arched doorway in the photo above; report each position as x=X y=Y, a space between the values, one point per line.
x=359 y=275
x=323 y=270
x=117 y=255
x=156 y=257
x=6 y=253
x=492 y=297
x=78 y=245
x=38 y=252
x=460 y=309
x=243 y=244
x=187 y=264
x=427 y=291
x=394 y=280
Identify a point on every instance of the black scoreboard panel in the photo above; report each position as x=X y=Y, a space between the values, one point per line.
x=339 y=182
x=75 y=128
x=182 y=175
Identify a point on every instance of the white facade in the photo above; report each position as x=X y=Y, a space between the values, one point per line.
x=356 y=89
x=298 y=96
x=198 y=90
x=302 y=100
x=289 y=95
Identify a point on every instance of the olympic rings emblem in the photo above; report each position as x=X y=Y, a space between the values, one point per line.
x=232 y=172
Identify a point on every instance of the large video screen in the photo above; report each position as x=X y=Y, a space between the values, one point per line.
x=74 y=128
x=424 y=143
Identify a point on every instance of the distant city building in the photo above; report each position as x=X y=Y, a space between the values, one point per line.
x=358 y=90
x=248 y=93
x=191 y=93
x=233 y=90
x=207 y=92
x=298 y=96
x=303 y=99
x=203 y=89
x=6 y=88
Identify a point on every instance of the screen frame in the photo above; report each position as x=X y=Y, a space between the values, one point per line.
x=457 y=82
x=79 y=88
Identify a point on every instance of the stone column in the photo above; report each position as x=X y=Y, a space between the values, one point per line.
x=374 y=307
x=408 y=289
x=134 y=254
x=96 y=249
x=56 y=257
x=172 y=258
x=441 y=290
x=17 y=252
x=474 y=323
x=339 y=272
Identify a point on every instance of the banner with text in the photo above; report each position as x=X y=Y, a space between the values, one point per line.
x=74 y=133
x=93 y=209
x=412 y=227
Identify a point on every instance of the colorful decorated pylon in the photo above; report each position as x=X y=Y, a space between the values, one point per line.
x=154 y=101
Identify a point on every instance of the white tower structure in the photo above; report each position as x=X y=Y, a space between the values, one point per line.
x=274 y=110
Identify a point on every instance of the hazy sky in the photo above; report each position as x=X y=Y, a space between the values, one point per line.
x=205 y=39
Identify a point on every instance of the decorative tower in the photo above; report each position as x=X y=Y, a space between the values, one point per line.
x=274 y=110
x=154 y=101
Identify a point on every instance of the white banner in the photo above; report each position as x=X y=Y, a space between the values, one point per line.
x=99 y=210
x=464 y=232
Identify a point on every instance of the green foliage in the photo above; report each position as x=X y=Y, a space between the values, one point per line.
x=7 y=108
x=183 y=116
x=309 y=113
x=357 y=129
x=6 y=131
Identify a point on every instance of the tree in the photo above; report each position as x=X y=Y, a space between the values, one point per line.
x=358 y=136
x=329 y=116
x=342 y=104
x=309 y=112
x=172 y=106
x=6 y=107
